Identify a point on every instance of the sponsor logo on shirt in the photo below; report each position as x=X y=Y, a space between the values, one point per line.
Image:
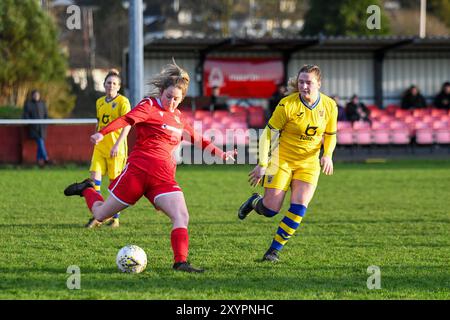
x=167 y=127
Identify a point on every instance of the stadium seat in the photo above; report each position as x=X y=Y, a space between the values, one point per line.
x=442 y=136
x=391 y=108
x=345 y=137
x=419 y=113
x=444 y=117
x=421 y=125
x=381 y=136
x=424 y=136
x=238 y=109
x=238 y=125
x=400 y=136
x=409 y=119
x=363 y=136
x=358 y=125
x=398 y=124
x=437 y=112
x=378 y=125
x=372 y=107
x=188 y=113
x=440 y=125
x=219 y=114
x=377 y=113
x=427 y=119
x=217 y=125
x=401 y=113
x=256 y=117
x=386 y=118
x=225 y=121
x=344 y=125
x=201 y=114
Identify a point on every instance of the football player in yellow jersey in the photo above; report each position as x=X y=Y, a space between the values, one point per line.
x=111 y=153
x=293 y=138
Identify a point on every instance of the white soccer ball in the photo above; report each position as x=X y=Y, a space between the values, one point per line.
x=131 y=259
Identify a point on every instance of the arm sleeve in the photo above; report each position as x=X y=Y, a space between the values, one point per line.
x=329 y=140
x=189 y=134
x=279 y=117
x=119 y=123
x=140 y=113
x=271 y=132
x=268 y=139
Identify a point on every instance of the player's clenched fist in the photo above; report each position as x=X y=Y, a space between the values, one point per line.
x=96 y=138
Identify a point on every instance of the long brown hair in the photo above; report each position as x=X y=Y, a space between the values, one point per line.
x=170 y=75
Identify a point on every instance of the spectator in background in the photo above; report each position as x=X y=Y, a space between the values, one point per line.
x=279 y=94
x=413 y=99
x=442 y=100
x=36 y=109
x=218 y=102
x=356 y=110
x=342 y=116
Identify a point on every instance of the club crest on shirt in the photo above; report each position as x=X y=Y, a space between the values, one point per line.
x=113 y=105
x=161 y=113
x=177 y=119
x=321 y=113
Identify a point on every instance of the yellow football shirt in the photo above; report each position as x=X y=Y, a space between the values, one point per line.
x=302 y=127
x=106 y=113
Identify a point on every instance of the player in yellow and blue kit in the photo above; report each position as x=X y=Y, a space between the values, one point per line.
x=293 y=138
x=110 y=155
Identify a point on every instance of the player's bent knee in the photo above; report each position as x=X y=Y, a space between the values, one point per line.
x=263 y=210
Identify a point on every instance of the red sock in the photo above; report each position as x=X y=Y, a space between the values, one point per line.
x=179 y=239
x=91 y=196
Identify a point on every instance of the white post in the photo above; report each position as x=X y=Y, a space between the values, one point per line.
x=423 y=18
x=136 y=52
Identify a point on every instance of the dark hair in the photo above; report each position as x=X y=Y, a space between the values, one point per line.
x=114 y=73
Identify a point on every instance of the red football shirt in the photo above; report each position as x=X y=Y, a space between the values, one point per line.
x=158 y=133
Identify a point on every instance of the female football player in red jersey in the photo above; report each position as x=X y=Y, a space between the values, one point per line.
x=150 y=170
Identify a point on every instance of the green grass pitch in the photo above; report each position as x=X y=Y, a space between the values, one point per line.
x=393 y=215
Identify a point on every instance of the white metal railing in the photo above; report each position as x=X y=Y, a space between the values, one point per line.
x=49 y=121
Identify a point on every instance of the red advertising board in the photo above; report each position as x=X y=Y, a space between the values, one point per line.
x=242 y=78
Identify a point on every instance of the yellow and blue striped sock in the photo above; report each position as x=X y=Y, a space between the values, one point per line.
x=288 y=225
x=97 y=185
